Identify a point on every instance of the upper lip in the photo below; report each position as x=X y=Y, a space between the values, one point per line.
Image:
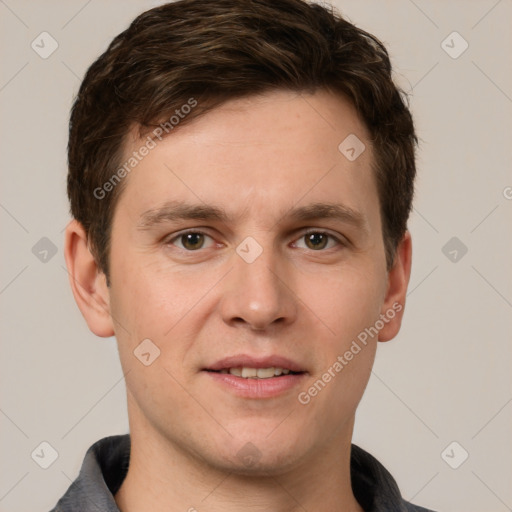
x=247 y=361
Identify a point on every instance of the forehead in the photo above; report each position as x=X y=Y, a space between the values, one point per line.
x=269 y=152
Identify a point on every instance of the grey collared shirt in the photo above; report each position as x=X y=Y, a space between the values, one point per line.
x=106 y=464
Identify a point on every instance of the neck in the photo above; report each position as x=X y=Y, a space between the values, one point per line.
x=164 y=477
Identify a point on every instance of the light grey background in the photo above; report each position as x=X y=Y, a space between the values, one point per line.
x=445 y=378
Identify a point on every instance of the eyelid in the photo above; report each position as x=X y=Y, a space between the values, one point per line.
x=341 y=240
x=169 y=239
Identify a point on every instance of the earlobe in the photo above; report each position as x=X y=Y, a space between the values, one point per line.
x=398 y=280
x=88 y=283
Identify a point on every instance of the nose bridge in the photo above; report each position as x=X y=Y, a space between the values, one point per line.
x=257 y=292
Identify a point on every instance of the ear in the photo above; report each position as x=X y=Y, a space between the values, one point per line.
x=88 y=283
x=398 y=279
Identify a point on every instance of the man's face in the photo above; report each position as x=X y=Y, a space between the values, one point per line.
x=241 y=290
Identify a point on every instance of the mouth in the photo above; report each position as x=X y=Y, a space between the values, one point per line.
x=256 y=367
x=256 y=377
x=256 y=373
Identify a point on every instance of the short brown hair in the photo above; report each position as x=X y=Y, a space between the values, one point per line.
x=218 y=50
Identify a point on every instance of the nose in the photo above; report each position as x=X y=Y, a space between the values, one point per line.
x=259 y=294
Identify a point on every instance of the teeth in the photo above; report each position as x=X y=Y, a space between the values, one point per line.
x=257 y=373
x=249 y=372
x=264 y=373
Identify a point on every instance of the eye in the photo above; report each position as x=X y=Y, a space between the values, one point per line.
x=194 y=240
x=190 y=240
x=318 y=240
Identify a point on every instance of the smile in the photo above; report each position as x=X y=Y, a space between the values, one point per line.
x=257 y=373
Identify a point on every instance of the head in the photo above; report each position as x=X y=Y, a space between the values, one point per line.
x=240 y=110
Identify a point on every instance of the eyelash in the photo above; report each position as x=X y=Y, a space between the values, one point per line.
x=305 y=233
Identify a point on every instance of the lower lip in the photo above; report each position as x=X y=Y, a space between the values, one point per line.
x=257 y=388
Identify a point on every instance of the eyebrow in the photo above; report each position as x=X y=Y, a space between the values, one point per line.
x=173 y=211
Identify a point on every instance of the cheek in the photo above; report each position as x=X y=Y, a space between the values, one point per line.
x=344 y=301
x=166 y=309
x=148 y=303
x=349 y=308
x=146 y=308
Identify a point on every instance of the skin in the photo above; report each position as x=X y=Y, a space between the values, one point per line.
x=257 y=158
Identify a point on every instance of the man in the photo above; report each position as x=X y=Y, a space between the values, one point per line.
x=240 y=176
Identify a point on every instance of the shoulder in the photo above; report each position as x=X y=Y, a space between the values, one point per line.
x=374 y=487
x=103 y=469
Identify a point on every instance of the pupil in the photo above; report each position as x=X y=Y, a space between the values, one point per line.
x=314 y=238
x=192 y=240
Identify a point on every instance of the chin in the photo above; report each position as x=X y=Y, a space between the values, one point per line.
x=266 y=462
x=263 y=451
